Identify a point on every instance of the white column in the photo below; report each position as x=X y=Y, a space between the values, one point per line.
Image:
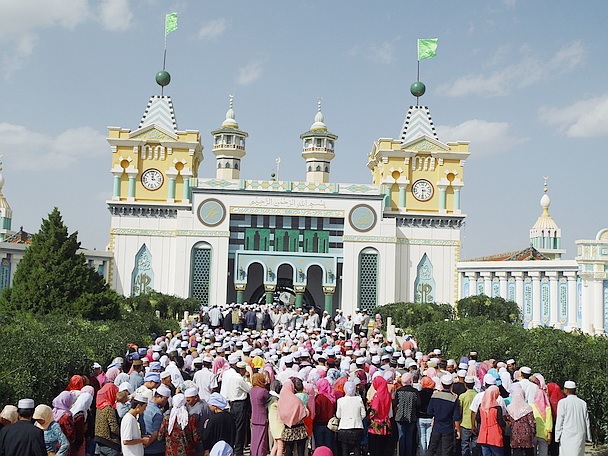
x=597 y=304
x=519 y=289
x=536 y=304
x=553 y=299
x=487 y=283
x=502 y=277
x=572 y=311
x=472 y=276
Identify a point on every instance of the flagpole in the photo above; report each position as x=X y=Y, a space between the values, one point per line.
x=418 y=78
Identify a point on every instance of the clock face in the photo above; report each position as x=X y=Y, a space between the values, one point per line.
x=362 y=218
x=422 y=190
x=152 y=179
x=211 y=212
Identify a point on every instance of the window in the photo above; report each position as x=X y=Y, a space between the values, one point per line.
x=200 y=276
x=368 y=279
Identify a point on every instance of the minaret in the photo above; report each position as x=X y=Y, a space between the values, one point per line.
x=545 y=235
x=318 y=149
x=229 y=146
x=6 y=214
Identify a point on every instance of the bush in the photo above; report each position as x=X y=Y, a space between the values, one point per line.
x=169 y=306
x=41 y=352
x=498 y=309
x=409 y=315
x=557 y=354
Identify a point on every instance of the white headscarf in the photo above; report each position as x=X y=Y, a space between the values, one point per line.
x=82 y=404
x=221 y=448
x=179 y=412
x=505 y=378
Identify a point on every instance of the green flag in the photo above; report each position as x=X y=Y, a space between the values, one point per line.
x=427 y=48
x=170 y=23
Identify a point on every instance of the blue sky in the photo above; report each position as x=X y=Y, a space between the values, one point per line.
x=524 y=82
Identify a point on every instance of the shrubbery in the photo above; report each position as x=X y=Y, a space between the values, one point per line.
x=40 y=353
x=409 y=315
x=557 y=354
x=497 y=308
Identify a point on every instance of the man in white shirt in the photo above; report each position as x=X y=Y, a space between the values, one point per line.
x=132 y=443
x=529 y=388
x=312 y=322
x=572 y=425
x=203 y=379
x=236 y=390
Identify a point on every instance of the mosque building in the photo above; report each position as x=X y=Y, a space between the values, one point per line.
x=314 y=242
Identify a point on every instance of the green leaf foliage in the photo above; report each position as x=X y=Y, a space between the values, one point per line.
x=54 y=277
x=557 y=354
x=167 y=305
x=498 y=309
x=409 y=315
x=41 y=352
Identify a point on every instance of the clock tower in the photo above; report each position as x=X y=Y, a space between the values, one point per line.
x=155 y=162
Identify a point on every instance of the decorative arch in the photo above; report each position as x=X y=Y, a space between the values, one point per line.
x=368 y=278
x=200 y=272
x=142 y=277
x=424 y=285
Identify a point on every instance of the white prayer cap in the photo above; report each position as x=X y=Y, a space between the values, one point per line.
x=462 y=373
x=125 y=386
x=163 y=390
x=464 y=366
x=447 y=379
x=165 y=374
x=407 y=352
x=437 y=351
x=141 y=398
x=375 y=359
x=489 y=379
x=469 y=379
x=191 y=392
x=26 y=404
x=207 y=359
x=569 y=384
x=233 y=359
x=525 y=370
x=511 y=361
x=96 y=366
x=451 y=362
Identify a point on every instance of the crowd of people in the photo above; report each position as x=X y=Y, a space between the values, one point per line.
x=270 y=380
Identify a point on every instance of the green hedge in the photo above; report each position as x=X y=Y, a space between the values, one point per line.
x=39 y=353
x=556 y=354
x=409 y=315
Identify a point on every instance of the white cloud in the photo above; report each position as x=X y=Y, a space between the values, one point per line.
x=212 y=29
x=382 y=53
x=250 y=73
x=583 y=119
x=487 y=138
x=529 y=69
x=26 y=149
x=115 y=15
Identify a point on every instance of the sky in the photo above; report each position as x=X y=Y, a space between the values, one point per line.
x=525 y=83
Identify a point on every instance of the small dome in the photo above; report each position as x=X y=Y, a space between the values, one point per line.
x=319 y=125
x=230 y=121
x=545 y=201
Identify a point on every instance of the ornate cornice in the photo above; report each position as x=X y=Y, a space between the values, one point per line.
x=168 y=233
x=429 y=221
x=396 y=240
x=144 y=210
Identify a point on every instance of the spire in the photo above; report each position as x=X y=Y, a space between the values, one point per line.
x=229 y=146
x=159 y=112
x=545 y=235
x=318 y=149
x=230 y=121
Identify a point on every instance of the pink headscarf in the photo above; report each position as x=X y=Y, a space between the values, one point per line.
x=290 y=408
x=219 y=365
x=490 y=398
x=322 y=451
x=324 y=388
x=310 y=390
x=268 y=368
x=62 y=404
x=518 y=406
x=88 y=389
x=112 y=374
x=541 y=400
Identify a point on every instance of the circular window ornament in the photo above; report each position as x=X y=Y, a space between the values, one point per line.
x=362 y=218
x=211 y=212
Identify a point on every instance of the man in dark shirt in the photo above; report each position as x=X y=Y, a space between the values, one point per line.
x=221 y=425
x=23 y=438
x=445 y=409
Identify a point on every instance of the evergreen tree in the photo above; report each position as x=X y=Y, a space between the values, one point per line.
x=54 y=277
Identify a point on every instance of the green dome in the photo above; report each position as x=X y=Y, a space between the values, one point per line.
x=163 y=78
x=417 y=89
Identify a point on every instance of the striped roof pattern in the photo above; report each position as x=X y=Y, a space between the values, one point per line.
x=159 y=112
x=417 y=123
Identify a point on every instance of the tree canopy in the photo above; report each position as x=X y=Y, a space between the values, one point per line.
x=54 y=277
x=497 y=309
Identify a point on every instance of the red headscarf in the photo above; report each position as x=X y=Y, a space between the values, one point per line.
x=427 y=382
x=106 y=396
x=76 y=383
x=555 y=395
x=339 y=387
x=381 y=402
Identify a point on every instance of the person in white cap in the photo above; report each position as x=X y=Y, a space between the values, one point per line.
x=23 y=438
x=132 y=442
x=203 y=378
x=236 y=390
x=572 y=426
x=529 y=387
x=445 y=409
x=153 y=418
